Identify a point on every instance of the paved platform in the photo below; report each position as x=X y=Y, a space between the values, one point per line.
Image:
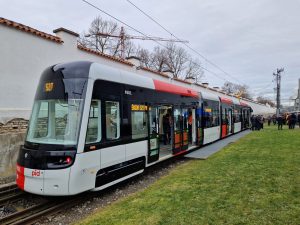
x=206 y=151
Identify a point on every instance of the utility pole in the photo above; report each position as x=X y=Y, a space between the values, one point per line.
x=278 y=83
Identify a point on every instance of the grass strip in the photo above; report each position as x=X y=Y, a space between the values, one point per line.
x=256 y=180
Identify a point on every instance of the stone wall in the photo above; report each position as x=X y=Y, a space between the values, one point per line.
x=14 y=126
x=9 y=146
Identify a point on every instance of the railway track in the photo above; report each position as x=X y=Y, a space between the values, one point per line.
x=10 y=193
x=36 y=212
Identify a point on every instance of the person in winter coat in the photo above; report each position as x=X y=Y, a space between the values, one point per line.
x=279 y=122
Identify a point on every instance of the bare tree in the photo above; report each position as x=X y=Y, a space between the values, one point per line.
x=145 y=57
x=173 y=58
x=237 y=89
x=130 y=49
x=194 y=70
x=159 y=59
x=103 y=44
x=177 y=58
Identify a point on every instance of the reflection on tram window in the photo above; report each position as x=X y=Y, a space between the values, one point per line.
x=139 y=124
x=42 y=121
x=237 y=115
x=93 y=133
x=55 y=121
x=177 y=119
x=112 y=117
x=211 y=116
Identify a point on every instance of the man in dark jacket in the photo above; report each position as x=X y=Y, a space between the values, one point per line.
x=280 y=122
x=293 y=120
x=298 y=118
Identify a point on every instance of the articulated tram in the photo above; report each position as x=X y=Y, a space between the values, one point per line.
x=93 y=126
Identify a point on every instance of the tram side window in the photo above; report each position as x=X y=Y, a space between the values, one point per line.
x=139 y=124
x=112 y=119
x=177 y=119
x=237 y=115
x=211 y=113
x=93 y=133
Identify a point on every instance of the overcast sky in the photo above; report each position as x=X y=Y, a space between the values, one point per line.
x=247 y=39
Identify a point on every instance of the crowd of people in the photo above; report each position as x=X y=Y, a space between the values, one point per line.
x=290 y=119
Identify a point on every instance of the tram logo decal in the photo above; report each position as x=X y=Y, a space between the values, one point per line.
x=36 y=173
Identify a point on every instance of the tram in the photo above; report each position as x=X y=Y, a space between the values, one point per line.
x=93 y=126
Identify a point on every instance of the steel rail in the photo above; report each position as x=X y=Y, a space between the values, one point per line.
x=10 y=193
x=34 y=213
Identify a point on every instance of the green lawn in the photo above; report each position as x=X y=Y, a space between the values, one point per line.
x=253 y=181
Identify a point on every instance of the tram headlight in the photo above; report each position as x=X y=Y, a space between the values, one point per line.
x=59 y=161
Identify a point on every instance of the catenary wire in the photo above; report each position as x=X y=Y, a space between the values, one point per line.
x=127 y=25
x=192 y=49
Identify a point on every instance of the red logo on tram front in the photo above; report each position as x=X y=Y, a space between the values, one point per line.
x=36 y=173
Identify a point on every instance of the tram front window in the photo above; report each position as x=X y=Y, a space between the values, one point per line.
x=55 y=121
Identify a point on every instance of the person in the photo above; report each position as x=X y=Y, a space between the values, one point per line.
x=257 y=122
x=262 y=121
x=166 y=129
x=274 y=119
x=289 y=121
x=252 y=122
x=280 y=122
x=171 y=124
x=190 y=126
x=269 y=120
x=298 y=119
x=293 y=120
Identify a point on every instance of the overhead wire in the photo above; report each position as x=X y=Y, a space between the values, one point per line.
x=136 y=30
x=192 y=49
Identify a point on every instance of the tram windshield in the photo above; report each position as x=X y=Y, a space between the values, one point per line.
x=55 y=121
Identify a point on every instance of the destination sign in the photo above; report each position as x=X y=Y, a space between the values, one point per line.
x=135 y=107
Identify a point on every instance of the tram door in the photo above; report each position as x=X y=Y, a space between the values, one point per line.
x=229 y=111
x=178 y=121
x=199 y=130
x=184 y=128
x=153 y=149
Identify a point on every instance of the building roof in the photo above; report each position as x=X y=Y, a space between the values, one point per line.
x=66 y=30
x=30 y=30
x=154 y=71
x=104 y=55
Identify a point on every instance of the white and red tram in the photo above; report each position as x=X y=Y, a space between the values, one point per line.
x=93 y=126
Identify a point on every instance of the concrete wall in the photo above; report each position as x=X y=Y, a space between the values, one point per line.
x=9 y=147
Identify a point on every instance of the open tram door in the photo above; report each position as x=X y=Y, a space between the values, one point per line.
x=185 y=128
x=198 y=124
x=227 y=117
x=160 y=132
